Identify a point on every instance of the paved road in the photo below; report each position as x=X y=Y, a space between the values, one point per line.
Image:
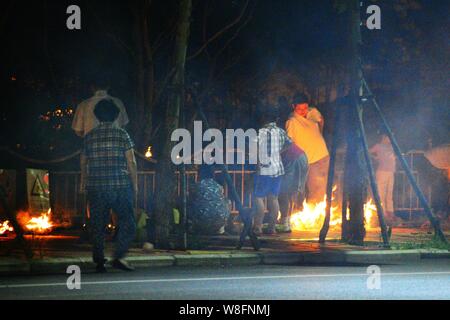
x=429 y=279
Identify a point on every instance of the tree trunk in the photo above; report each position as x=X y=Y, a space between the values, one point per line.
x=145 y=84
x=355 y=180
x=140 y=75
x=165 y=174
x=355 y=165
x=149 y=86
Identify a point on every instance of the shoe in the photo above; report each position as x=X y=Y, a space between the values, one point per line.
x=257 y=231
x=389 y=232
x=255 y=242
x=148 y=247
x=100 y=268
x=270 y=232
x=122 y=265
x=284 y=229
x=221 y=230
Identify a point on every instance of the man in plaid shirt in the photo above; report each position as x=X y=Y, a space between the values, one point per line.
x=108 y=174
x=271 y=141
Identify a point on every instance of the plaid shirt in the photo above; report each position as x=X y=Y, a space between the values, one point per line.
x=271 y=141
x=104 y=148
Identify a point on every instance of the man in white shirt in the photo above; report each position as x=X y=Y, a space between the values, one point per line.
x=84 y=119
x=385 y=158
x=271 y=141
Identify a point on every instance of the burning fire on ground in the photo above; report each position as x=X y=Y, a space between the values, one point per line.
x=5 y=227
x=41 y=224
x=313 y=215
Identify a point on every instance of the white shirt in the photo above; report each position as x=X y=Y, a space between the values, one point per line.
x=85 y=120
x=385 y=156
x=271 y=140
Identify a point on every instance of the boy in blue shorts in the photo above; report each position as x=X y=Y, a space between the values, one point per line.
x=271 y=141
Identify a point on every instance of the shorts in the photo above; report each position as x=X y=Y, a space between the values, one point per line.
x=266 y=185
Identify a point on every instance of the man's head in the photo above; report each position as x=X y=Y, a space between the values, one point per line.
x=206 y=172
x=300 y=104
x=385 y=139
x=269 y=114
x=283 y=102
x=106 y=111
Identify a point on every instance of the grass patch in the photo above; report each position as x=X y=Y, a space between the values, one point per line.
x=430 y=244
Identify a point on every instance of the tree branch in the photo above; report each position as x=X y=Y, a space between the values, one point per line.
x=111 y=35
x=250 y=16
x=5 y=15
x=220 y=32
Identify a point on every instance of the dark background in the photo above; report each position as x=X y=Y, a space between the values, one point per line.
x=300 y=45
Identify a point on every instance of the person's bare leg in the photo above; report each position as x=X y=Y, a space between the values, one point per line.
x=274 y=209
x=292 y=203
x=259 y=214
x=312 y=185
x=382 y=183
x=317 y=180
x=390 y=198
x=284 y=203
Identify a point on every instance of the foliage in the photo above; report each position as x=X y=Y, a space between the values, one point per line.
x=430 y=244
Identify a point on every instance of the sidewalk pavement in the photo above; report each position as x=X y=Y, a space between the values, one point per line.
x=54 y=253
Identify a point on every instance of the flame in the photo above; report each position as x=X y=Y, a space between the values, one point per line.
x=149 y=154
x=5 y=227
x=313 y=215
x=40 y=224
x=370 y=214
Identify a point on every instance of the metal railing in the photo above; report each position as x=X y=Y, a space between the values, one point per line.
x=404 y=197
x=65 y=185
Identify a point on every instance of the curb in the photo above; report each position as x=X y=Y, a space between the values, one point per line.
x=59 y=265
x=381 y=257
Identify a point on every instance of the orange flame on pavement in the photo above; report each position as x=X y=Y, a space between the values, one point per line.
x=41 y=224
x=313 y=215
x=5 y=227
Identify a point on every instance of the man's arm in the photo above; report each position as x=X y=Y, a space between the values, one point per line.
x=285 y=141
x=122 y=119
x=315 y=115
x=83 y=167
x=78 y=119
x=132 y=168
x=291 y=130
x=321 y=124
x=374 y=151
x=263 y=152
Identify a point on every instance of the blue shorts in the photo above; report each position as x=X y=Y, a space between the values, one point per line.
x=265 y=185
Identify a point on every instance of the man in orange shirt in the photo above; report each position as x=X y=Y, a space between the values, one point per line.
x=304 y=127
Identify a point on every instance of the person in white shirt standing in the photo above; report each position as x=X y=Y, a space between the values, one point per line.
x=385 y=159
x=84 y=119
x=272 y=140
